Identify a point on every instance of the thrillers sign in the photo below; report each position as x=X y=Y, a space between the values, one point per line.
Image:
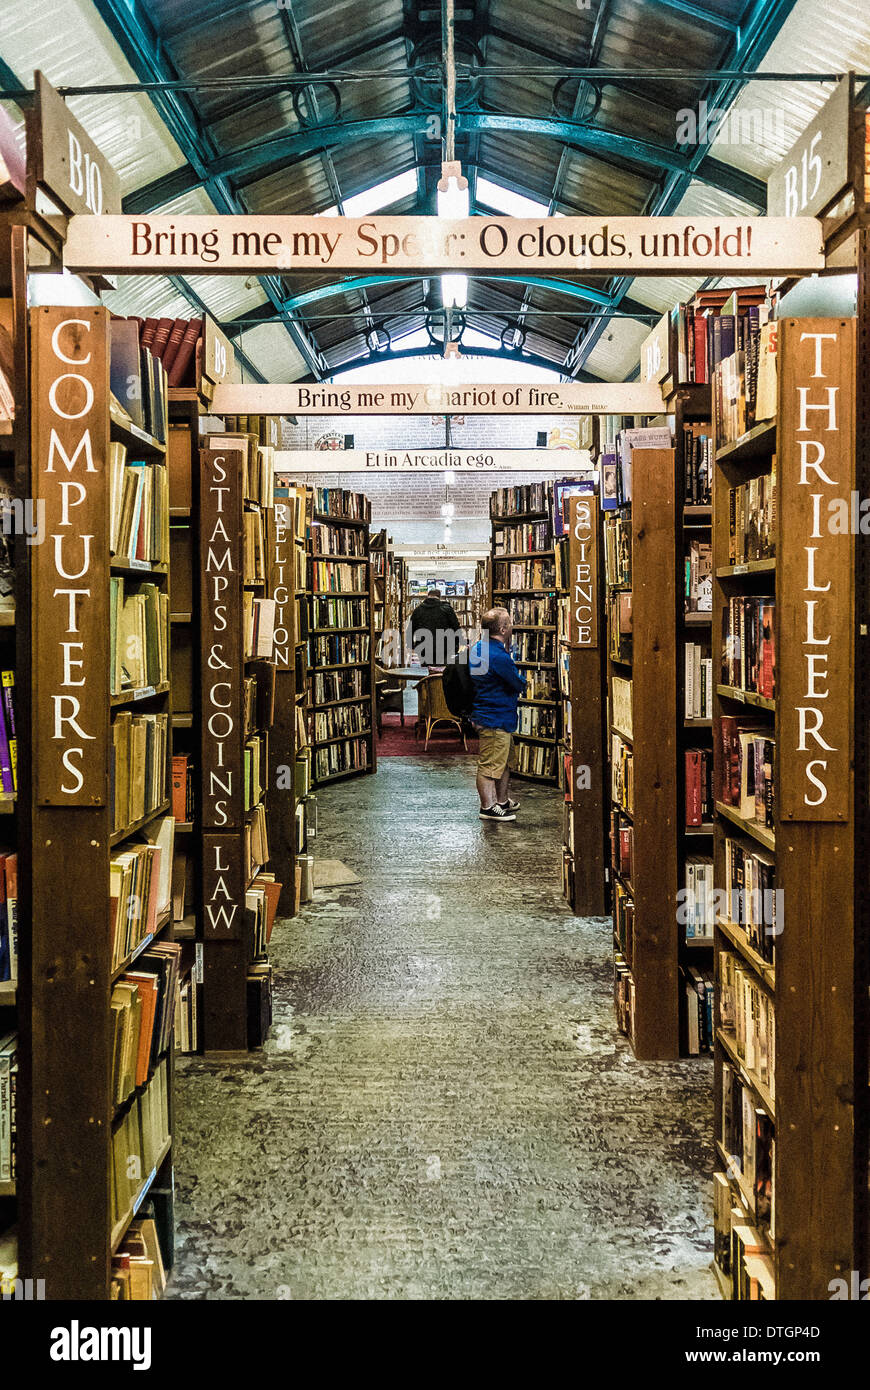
x=639 y=245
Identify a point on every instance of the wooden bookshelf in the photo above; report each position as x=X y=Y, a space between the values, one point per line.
x=359 y=636
x=582 y=691
x=235 y=730
x=517 y=537
x=66 y=1111
x=813 y=1091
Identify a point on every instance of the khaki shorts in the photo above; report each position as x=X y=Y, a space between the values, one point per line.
x=495 y=752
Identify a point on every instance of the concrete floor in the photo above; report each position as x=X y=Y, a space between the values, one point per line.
x=445 y=1109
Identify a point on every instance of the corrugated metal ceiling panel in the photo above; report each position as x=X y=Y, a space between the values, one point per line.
x=617 y=351
x=271 y=349
x=814 y=38
x=71 y=45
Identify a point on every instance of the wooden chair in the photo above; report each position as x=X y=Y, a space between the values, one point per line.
x=389 y=696
x=433 y=709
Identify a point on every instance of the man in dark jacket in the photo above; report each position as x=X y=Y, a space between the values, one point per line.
x=497 y=688
x=433 y=624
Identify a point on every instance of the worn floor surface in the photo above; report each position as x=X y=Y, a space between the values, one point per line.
x=445 y=1109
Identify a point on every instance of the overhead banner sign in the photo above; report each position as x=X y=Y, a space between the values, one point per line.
x=436 y=398
x=245 y=245
x=297 y=461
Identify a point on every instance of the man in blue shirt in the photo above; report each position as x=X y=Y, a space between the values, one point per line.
x=497 y=688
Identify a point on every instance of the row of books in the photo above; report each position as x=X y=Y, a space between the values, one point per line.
x=621 y=846
x=752 y=899
x=340 y=651
x=138 y=635
x=8 y=1105
x=339 y=685
x=332 y=759
x=617 y=549
x=338 y=503
x=256 y=848
x=339 y=722
x=535 y=760
x=747 y=1016
x=8 y=916
x=183 y=788
x=261 y=906
x=342 y=540
x=258 y=699
x=744 y=387
x=698 y=571
x=540 y=684
x=698 y=678
x=138 y=1142
x=698 y=903
x=294 y=508
x=623 y=920
x=621 y=773
x=137 y=379
x=523 y=574
x=749 y=644
x=258 y=465
x=521 y=499
x=137 y=767
x=748 y=1138
x=700 y=996
x=742 y=1252
x=138 y=509
x=536 y=721
x=534 y=647
x=258 y=618
x=619 y=624
x=515 y=540
x=752 y=519
x=699 y=786
x=624 y=995
x=138 y=1270
x=140 y=888
x=253 y=546
x=143 y=1011
x=697 y=463
x=746 y=769
x=256 y=763
x=334 y=577
x=338 y=612
x=186 y=1031
x=174 y=342
x=698 y=337
x=532 y=612
x=8 y=737
x=616 y=468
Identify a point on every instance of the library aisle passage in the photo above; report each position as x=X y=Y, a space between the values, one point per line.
x=444 y=1109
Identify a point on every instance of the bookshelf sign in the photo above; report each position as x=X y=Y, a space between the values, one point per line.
x=221 y=641
x=282 y=581
x=583 y=578
x=292 y=462
x=223 y=892
x=816 y=168
x=63 y=160
x=816 y=467
x=655 y=352
x=70 y=589
x=437 y=398
x=246 y=245
x=219 y=363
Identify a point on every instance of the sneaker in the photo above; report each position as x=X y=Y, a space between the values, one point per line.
x=510 y=805
x=496 y=812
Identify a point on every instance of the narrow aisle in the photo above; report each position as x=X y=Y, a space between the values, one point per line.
x=445 y=1108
